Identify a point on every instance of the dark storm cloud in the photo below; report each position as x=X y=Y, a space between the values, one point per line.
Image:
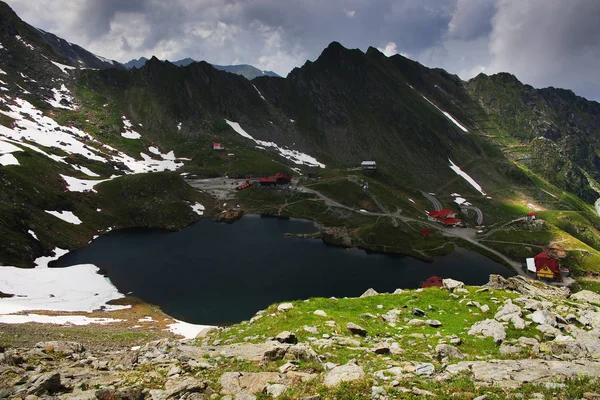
x=544 y=42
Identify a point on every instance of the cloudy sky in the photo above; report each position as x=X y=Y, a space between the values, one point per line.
x=543 y=42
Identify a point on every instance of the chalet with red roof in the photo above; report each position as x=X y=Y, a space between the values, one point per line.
x=217 y=146
x=544 y=266
x=444 y=216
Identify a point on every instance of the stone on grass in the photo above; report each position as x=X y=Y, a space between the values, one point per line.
x=426 y=369
x=586 y=296
x=544 y=317
x=320 y=313
x=452 y=284
x=344 y=373
x=418 y=312
x=484 y=308
x=356 y=329
x=381 y=348
x=508 y=311
x=549 y=331
x=450 y=352
x=45 y=383
x=286 y=337
x=433 y=323
x=369 y=292
x=489 y=328
x=285 y=307
x=416 y=322
x=275 y=389
x=517 y=322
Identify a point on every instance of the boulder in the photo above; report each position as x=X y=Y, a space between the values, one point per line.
x=356 y=329
x=544 y=317
x=433 y=323
x=65 y=348
x=445 y=351
x=418 y=312
x=286 y=337
x=426 y=369
x=549 y=331
x=452 y=284
x=586 y=296
x=508 y=311
x=517 y=322
x=416 y=322
x=45 y=383
x=285 y=307
x=489 y=328
x=484 y=308
x=320 y=313
x=275 y=389
x=343 y=373
x=370 y=292
x=381 y=348
x=526 y=286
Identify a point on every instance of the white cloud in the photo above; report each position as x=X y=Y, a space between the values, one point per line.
x=350 y=13
x=389 y=50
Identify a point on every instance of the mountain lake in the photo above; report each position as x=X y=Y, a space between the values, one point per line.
x=217 y=273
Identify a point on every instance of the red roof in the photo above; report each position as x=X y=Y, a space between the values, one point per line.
x=450 y=221
x=543 y=260
x=269 y=179
x=217 y=144
x=284 y=176
x=531 y=214
x=432 y=281
x=443 y=213
x=425 y=232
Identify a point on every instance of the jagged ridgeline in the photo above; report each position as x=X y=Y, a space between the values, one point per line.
x=100 y=119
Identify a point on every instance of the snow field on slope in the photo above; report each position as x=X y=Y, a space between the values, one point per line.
x=66 y=216
x=31 y=125
x=78 y=320
x=295 y=156
x=76 y=288
x=466 y=177
x=129 y=133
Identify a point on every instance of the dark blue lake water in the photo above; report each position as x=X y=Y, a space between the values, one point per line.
x=215 y=273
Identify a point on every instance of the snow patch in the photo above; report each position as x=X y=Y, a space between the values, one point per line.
x=259 y=93
x=447 y=115
x=466 y=177
x=60 y=95
x=2 y=72
x=76 y=288
x=106 y=60
x=461 y=201
x=20 y=39
x=295 y=156
x=185 y=329
x=85 y=170
x=179 y=126
x=81 y=185
x=412 y=201
x=64 y=68
x=66 y=216
x=33 y=235
x=42 y=262
x=55 y=319
x=129 y=133
x=197 y=208
x=8 y=159
x=146 y=319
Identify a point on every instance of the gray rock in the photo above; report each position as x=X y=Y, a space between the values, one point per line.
x=452 y=284
x=175 y=370
x=508 y=349
x=370 y=292
x=517 y=322
x=320 y=313
x=45 y=383
x=586 y=296
x=446 y=351
x=315 y=397
x=381 y=348
x=527 y=287
x=65 y=348
x=433 y=323
x=484 y=308
x=549 y=331
x=286 y=337
x=455 y=340
x=311 y=329
x=426 y=369
x=378 y=393
x=287 y=367
x=418 y=312
x=398 y=291
x=285 y=307
x=367 y=316
x=275 y=389
x=544 y=317
x=343 y=373
x=489 y=328
x=127 y=393
x=508 y=311
x=356 y=329
x=416 y=322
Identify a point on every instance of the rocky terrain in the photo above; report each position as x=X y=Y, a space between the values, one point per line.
x=512 y=338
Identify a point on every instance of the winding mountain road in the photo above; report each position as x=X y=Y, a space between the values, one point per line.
x=437 y=206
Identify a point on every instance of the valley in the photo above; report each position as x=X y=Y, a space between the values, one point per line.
x=142 y=205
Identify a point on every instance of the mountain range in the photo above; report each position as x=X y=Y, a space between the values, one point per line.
x=247 y=71
x=80 y=133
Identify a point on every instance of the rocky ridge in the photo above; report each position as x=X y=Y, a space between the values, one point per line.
x=535 y=339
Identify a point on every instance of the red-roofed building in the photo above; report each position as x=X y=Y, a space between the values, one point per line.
x=547 y=267
x=445 y=216
x=531 y=216
x=268 y=181
x=425 y=232
x=217 y=146
x=283 y=179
